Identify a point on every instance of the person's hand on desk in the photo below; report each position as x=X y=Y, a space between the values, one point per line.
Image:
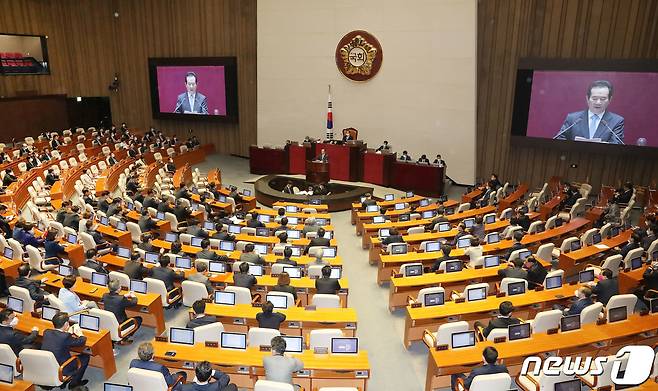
x=35 y=329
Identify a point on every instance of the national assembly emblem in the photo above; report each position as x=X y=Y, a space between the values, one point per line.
x=359 y=55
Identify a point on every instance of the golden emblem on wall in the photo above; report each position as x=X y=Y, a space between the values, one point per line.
x=359 y=55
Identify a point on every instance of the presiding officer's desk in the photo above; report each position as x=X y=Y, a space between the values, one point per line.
x=99 y=344
x=246 y=366
x=442 y=363
x=149 y=305
x=574 y=261
x=526 y=305
x=299 y=320
x=388 y=263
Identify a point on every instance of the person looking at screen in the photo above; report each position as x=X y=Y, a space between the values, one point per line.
x=191 y=101
x=279 y=367
x=595 y=123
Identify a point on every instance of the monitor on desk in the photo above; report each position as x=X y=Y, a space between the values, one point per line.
x=636 y=263
x=336 y=272
x=72 y=238
x=424 y=202
x=431 y=247
x=344 y=345
x=575 y=245
x=260 y=249
x=291 y=208
x=264 y=218
x=246 y=192
x=372 y=208
x=404 y=217
x=226 y=245
x=475 y=294
x=294 y=234
x=525 y=254
x=596 y=238
x=540 y=228
x=160 y=215
x=216 y=267
x=516 y=288
x=389 y=197
x=553 y=282
x=209 y=225
x=653 y=305
x=558 y=222
x=518 y=331
x=490 y=219
x=293 y=271
x=100 y=279
x=315 y=201
x=224 y=298
x=432 y=299
x=104 y=220
x=261 y=231
x=48 y=313
x=15 y=304
x=399 y=248
x=121 y=226
x=614 y=231
x=196 y=241
x=493 y=237
x=399 y=206
x=8 y=253
x=171 y=237
x=329 y=252
x=463 y=339
x=454 y=266
x=279 y=301
x=181 y=335
x=384 y=232
x=409 y=194
x=194 y=206
x=491 y=261
x=90 y=322
x=234 y=229
x=569 y=385
x=233 y=340
x=379 y=219
x=183 y=262
x=221 y=198
x=468 y=223
x=444 y=227
x=616 y=314
x=294 y=220
x=569 y=323
x=428 y=214
x=6 y=374
x=116 y=387
x=151 y=257
x=293 y=344
x=463 y=242
x=138 y=286
x=256 y=270
x=123 y=252
x=65 y=270
x=586 y=276
x=413 y=270
x=329 y=235
x=296 y=251
x=320 y=221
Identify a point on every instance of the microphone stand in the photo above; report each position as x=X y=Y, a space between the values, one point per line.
x=604 y=122
x=567 y=128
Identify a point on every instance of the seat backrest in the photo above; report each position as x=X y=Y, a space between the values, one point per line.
x=58 y=226
x=605 y=230
x=208 y=332
x=321 y=300
x=504 y=284
x=566 y=243
x=261 y=337
x=476 y=286
x=634 y=253
x=242 y=295
x=612 y=262
x=445 y=331
x=123 y=278
x=627 y=300
x=315 y=270
x=108 y=321
x=554 y=273
x=545 y=252
x=496 y=381
x=23 y=294
x=56 y=302
x=87 y=240
x=85 y=272
x=588 y=236
x=590 y=313
x=463 y=207
x=322 y=337
x=403 y=267
x=40 y=367
x=267 y=385
x=7 y=356
x=546 y=320
x=427 y=291
x=504 y=214
x=415 y=230
x=193 y=291
x=142 y=379
x=497 y=333
x=18 y=249
x=158 y=287
x=135 y=231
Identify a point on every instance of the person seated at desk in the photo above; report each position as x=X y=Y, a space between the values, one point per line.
x=37 y=293
x=89 y=198
x=394 y=237
x=72 y=219
x=650 y=235
x=54 y=250
x=200 y=316
x=310 y=226
x=320 y=240
x=514 y=270
x=103 y=203
x=26 y=236
x=632 y=243
x=165 y=206
x=288 y=188
x=252 y=221
x=9 y=177
x=243 y=278
x=477 y=229
x=145 y=222
x=474 y=251
x=347 y=136
x=51 y=177
x=117 y=304
x=461 y=231
x=204 y=372
x=536 y=271
x=92 y=263
x=570 y=195
x=489 y=356
x=326 y=284
x=516 y=244
x=322 y=157
x=170 y=167
x=16 y=340
x=502 y=321
x=439 y=161
x=368 y=201
x=194 y=229
x=165 y=274
x=71 y=300
x=280 y=213
x=250 y=256
x=182 y=192
x=268 y=319
x=150 y=200
x=445 y=256
x=423 y=160
x=134 y=268
x=283 y=285
x=283 y=225
x=405 y=157
x=145 y=361
x=115 y=207
x=60 y=341
x=4 y=221
x=606 y=287
x=318 y=260
x=287 y=254
x=111 y=160
x=147 y=243
x=99 y=239
x=386 y=147
x=206 y=252
x=221 y=234
x=623 y=195
x=201 y=276
x=584 y=296
x=279 y=367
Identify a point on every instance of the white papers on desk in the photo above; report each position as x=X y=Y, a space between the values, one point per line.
x=589 y=140
x=601 y=246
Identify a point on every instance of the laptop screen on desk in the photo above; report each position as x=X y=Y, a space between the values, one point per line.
x=444 y=227
x=279 y=301
x=293 y=234
x=399 y=249
x=372 y=208
x=183 y=263
x=424 y=202
x=463 y=242
x=378 y=219
x=171 y=237
x=8 y=253
x=216 y=267
x=489 y=219
x=160 y=215
x=72 y=238
x=399 y=206
x=48 y=312
x=209 y=225
x=454 y=266
x=468 y=223
x=121 y=226
x=196 y=241
x=233 y=340
x=491 y=261
x=345 y=345
x=264 y=218
x=181 y=335
x=89 y=322
x=116 y=387
x=150 y=257
x=409 y=194
x=296 y=251
x=246 y=192
x=404 y=217
x=138 y=286
x=123 y=252
x=516 y=288
x=384 y=232
x=636 y=263
x=575 y=245
x=262 y=231
x=104 y=220
x=293 y=271
x=616 y=314
x=653 y=305
x=226 y=245
x=569 y=385
x=569 y=323
x=614 y=231
x=225 y=298
x=389 y=197
x=474 y=294
x=586 y=276
x=99 y=278
x=65 y=270
x=293 y=220
x=493 y=237
x=519 y=331
x=462 y=340
x=260 y=249
x=256 y=270
x=234 y=229
x=294 y=344
x=291 y=208
x=15 y=304
x=553 y=282
x=432 y=247
x=428 y=214
x=413 y=270
x=596 y=238
x=336 y=272
x=6 y=374
x=432 y=299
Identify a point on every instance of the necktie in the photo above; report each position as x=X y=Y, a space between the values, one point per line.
x=593 y=125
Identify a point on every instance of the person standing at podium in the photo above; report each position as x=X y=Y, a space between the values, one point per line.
x=322 y=157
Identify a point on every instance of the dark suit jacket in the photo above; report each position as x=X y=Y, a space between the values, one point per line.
x=484 y=370
x=198 y=232
x=207 y=254
x=322 y=158
x=499 y=323
x=650 y=277
x=579 y=306
x=183 y=104
x=327 y=285
x=513 y=272
x=60 y=343
x=605 y=289
x=224 y=236
x=202 y=321
x=147 y=224
x=134 y=270
x=155 y=367
x=317 y=242
x=15 y=339
x=36 y=293
x=287 y=289
x=53 y=249
x=150 y=202
x=515 y=246
x=182 y=213
x=581 y=129
x=272 y=321
x=221 y=383
x=117 y=305
x=392 y=239
x=166 y=275
x=438 y=262
x=537 y=273
x=244 y=280
x=97 y=266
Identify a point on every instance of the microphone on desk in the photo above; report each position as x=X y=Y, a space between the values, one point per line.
x=567 y=128
x=604 y=122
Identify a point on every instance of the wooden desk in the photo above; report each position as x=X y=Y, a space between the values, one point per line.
x=248 y=202
x=282 y=204
x=301 y=216
x=513 y=198
x=575 y=261
x=182 y=175
x=526 y=306
x=443 y=363
x=122 y=238
x=246 y=366
x=546 y=209
x=225 y=206
x=630 y=280
x=10 y=268
x=99 y=344
x=18 y=385
x=164 y=226
x=472 y=195
x=299 y=321
x=149 y=305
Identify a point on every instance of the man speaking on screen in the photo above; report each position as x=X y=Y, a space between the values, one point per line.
x=191 y=102
x=595 y=124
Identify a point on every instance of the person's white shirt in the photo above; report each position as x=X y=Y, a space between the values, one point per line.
x=87 y=181
x=72 y=303
x=589 y=122
x=473 y=253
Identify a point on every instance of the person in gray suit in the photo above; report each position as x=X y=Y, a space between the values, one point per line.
x=191 y=101
x=200 y=276
x=279 y=367
x=595 y=122
x=249 y=255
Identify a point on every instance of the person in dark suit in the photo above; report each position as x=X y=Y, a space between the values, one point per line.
x=89 y=198
x=165 y=274
x=221 y=234
x=206 y=252
x=51 y=177
x=195 y=229
x=405 y=156
x=520 y=219
x=145 y=222
x=191 y=101
x=326 y=284
x=632 y=244
x=596 y=122
x=570 y=194
x=287 y=254
x=117 y=304
x=253 y=222
x=36 y=292
x=320 y=240
x=4 y=221
x=322 y=157
x=249 y=255
x=288 y=188
x=72 y=219
x=439 y=161
x=607 y=287
x=243 y=278
x=650 y=237
x=394 y=237
x=182 y=192
x=9 y=177
x=385 y=147
x=150 y=201
x=490 y=355
x=59 y=341
x=650 y=277
x=147 y=243
x=104 y=202
x=200 y=317
x=165 y=207
x=283 y=285
x=15 y=339
x=445 y=256
x=111 y=160
x=268 y=319
x=501 y=321
x=54 y=250
x=514 y=270
x=145 y=361
x=204 y=373
x=584 y=296
x=536 y=271
x=516 y=244
x=461 y=231
x=423 y=160
x=134 y=268
x=92 y=263
x=28 y=237
x=182 y=212
x=623 y=195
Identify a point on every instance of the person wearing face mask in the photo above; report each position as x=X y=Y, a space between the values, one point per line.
x=15 y=339
x=650 y=237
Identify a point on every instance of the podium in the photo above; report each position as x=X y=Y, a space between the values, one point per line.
x=317 y=172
